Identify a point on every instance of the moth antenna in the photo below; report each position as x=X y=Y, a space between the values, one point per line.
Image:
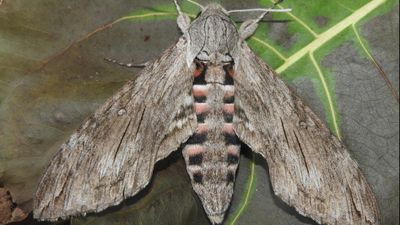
x=259 y=10
x=248 y=27
x=265 y=11
x=271 y=10
x=128 y=65
x=178 y=8
x=196 y=3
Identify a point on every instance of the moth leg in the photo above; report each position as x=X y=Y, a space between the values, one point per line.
x=183 y=20
x=128 y=65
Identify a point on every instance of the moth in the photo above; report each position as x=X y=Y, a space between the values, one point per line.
x=210 y=93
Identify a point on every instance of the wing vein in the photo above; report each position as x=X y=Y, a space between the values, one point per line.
x=302 y=152
x=122 y=138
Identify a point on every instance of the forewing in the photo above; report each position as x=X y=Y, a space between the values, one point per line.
x=310 y=168
x=112 y=155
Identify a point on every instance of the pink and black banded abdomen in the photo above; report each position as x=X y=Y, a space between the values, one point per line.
x=212 y=153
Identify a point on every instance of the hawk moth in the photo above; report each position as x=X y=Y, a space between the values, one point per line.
x=211 y=93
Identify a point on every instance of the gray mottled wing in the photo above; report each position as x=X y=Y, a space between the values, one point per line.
x=310 y=169
x=111 y=157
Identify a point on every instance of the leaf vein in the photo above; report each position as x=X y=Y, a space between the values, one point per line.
x=331 y=32
x=328 y=96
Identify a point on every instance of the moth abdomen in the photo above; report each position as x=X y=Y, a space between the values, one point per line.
x=229 y=99
x=230 y=177
x=200 y=99
x=229 y=135
x=247 y=101
x=228 y=117
x=198 y=177
x=196 y=159
x=229 y=72
x=233 y=159
x=201 y=117
x=197 y=138
x=229 y=108
x=199 y=73
x=231 y=139
x=212 y=162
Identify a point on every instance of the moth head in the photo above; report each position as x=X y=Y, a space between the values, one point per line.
x=212 y=36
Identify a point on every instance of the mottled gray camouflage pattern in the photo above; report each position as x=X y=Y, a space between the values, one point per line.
x=111 y=157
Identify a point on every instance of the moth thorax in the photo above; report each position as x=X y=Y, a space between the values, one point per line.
x=216 y=74
x=215 y=57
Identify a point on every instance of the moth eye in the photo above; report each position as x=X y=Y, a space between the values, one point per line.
x=198 y=177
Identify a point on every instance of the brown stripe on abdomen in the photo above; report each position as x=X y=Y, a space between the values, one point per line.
x=200 y=93
x=233 y=159
x=200 y=96
x=228 y=132
x=228 y=117
x=194 y=149
x=197 y=138
x=229 y=73
x=229 y=108
x=199 y=73
x=212 y=153
x=229 y=94
x=198 y=177
x=229 y=135
x=233 y=144
x=230 y=177
x=201 y=110
x=195 y=159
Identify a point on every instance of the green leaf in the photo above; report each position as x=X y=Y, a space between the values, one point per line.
x=247 y=194
x=316 y=38
x=316 y=29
